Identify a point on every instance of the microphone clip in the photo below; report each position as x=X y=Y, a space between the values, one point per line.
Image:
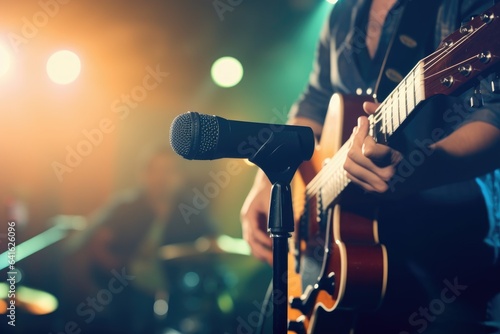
x=281 y=155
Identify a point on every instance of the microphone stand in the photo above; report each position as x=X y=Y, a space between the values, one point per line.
x=279 y=158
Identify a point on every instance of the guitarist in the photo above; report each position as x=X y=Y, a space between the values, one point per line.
x=441 y=224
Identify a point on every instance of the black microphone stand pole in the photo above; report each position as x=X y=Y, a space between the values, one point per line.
x=279 y=159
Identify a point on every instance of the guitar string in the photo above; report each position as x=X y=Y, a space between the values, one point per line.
x=455 y=45
x=329 y=169
x=332 y=167
x=442 y=52
x=417 y=66
x=454 y=65
x=453 y=48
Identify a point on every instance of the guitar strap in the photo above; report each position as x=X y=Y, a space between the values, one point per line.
x=410 y=42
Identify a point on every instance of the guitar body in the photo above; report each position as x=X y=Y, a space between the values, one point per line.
x=342 y=243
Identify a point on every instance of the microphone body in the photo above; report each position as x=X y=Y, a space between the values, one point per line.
x=204 y=137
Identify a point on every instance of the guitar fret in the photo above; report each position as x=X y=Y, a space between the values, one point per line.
x=386 y=128
x=400 y=111
x=419 y=79
x=401 y=107
x=406 y=96
x=395 y=110
x=385 y=117
x=371 y=131
x=411 y=91
x=393 y=126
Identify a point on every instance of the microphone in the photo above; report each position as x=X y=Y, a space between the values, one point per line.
x=197 y=136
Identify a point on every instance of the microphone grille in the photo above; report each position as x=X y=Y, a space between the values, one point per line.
x=209 y=128
x=194 y=135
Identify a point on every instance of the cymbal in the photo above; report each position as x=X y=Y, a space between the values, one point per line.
x=221 y=245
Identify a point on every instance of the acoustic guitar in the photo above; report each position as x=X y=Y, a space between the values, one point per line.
x=337 y=266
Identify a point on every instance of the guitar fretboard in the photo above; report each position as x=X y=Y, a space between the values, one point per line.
x=390 y=114
x=464 y=55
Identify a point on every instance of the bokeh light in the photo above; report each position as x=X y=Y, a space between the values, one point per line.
x=160 y=307
x=227 y=72
x=64 y=67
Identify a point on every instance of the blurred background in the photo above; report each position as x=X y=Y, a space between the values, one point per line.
x=88 y=90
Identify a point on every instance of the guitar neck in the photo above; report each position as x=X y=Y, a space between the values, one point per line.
x=391 y=113
x=461 y=58
x=396 y=108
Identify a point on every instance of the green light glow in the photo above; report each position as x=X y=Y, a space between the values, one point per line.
x=44 y=239
x=233 y=245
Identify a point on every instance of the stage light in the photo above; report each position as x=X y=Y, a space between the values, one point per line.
x=227 y=72
x=4 y=60
x=63 y=67
x=333 y=2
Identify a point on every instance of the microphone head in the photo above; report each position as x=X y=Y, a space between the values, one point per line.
x=194 y=135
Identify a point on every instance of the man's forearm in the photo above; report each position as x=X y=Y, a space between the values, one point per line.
x=470 y=151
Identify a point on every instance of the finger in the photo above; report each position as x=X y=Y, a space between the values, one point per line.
x=367 y=170
x=366 y=186
x=382 y=166
x=365 y=177
x=370 y=107
x=360 y=132
x=260 y=250
x=262 y=253
x=260 y=232
x=254 y=232
x=381 y=155
x=378 y=153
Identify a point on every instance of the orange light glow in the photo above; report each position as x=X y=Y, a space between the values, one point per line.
x=5 y=60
